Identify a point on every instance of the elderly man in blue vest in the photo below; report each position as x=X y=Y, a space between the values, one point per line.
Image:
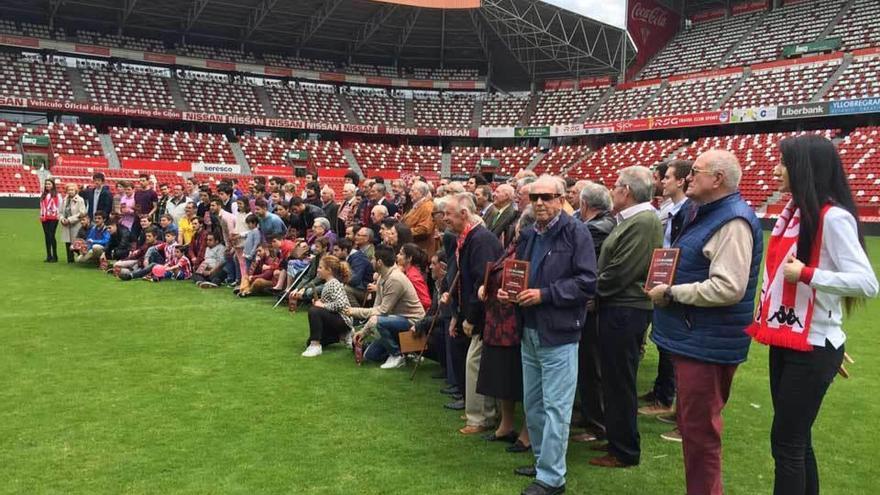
x=701 y=318
x=551 y=314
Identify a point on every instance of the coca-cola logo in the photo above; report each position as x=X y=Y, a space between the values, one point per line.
x=657 y=16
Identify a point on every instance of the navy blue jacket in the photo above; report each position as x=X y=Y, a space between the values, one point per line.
x=566 y=275
x=361 y=270
x=480 y=248
x=105 y=201
x=716 y=334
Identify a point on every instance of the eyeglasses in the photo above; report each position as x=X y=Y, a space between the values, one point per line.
x=545 y=197
x=695 y=171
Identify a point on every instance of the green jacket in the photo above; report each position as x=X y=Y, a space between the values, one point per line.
x=625 y=259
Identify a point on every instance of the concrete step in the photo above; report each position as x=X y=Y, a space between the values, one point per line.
x=109 y=151
x=409 y=112
x=77 y=86
x=265 y=102
x=445 y=164
x=477 y=116
x=733 y=89
x=739 y=42
x=346 y=108
x=530 y=110
x=535 y=160
x=240 y=159
x=844 y=64
x=176 y=94
x=352 y=162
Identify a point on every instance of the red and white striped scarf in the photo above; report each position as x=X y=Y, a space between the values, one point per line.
x=786 y=309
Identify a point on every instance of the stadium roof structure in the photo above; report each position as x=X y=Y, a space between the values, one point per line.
x=519 y=39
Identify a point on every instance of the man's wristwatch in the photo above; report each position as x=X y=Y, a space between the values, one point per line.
x=667 y=294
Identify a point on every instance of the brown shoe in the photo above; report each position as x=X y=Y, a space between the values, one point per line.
x=672 y=436
x=608 y=461
x=583 y=437
x=655 y=409
x=602 y=447
x=473 y=430
x=670 y=419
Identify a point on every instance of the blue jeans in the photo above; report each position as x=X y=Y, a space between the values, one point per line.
x=233 y=273
x=549 y=383
x=386 y=345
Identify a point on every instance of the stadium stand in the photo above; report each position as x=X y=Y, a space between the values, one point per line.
x=561 y=158
x=859 y=153
x=376 y=157
x=690 y=96
x=220 y=97
x=298 y=62
x=565 y=106
x=126 y=88
x=120 y=41
x=858 y=29
x=800 y=22
x=18 y=180
x=216 y=53
x=377 y=108
x=8 y=26
x=152 y=144
x=442 y=74
x=861 y=79
x=10 y=136
x=444 y=111
x=311 y=105
x=29 y=77
x=511 y=159
x=73 y=140
x=623 y=103
x=782 y=86
x=603 y=164
x=503 y=110
x=270 y=151
x=699 y=47
x=372 y=70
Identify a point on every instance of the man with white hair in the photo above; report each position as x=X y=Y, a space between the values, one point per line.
x=550 y=314
x=625 y=310
x=504 y=219
x=476 y=247
x=329 y=205
x=701 y=318
x=347 y=217
x=377 y=214
x=420 y=218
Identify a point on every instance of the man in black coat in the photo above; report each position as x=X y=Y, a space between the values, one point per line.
x=303 y=214
x=98 y=197
x=476 y=248
x=120 y=241
x=503 y=220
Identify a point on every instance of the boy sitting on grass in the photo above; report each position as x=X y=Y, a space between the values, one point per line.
x=210 y=273
x=137 y=258
x=177 y=267
x=96 y=240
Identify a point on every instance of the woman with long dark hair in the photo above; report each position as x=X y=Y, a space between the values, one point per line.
x=411 y=259
x=816 y=265
x=50 y=204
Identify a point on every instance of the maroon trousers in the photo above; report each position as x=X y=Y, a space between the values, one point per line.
x=703 y=389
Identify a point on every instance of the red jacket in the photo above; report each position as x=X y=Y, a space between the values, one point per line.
x=49 y=205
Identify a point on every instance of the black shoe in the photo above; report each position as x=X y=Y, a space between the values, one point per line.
x=455 y=406
x=538 y=488
x=509 y=438
x=450 y=390
x=457 y=397
x=48 y=259
x=518 y=447
x=529 y=471
x=53 y=260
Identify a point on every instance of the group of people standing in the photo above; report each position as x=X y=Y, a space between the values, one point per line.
x=423 y=261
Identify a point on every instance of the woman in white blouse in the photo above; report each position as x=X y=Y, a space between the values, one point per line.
x=816 y=266
x=328 y=321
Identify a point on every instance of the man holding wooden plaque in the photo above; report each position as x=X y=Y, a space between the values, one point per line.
x=554 y=277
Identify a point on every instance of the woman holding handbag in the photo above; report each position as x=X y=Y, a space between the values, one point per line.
x=816 y=265
x=50 y=204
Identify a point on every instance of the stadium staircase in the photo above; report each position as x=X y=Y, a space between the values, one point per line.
x=650 y=99
x=109 y=151
x=346 y=107
x=477 y=117
x=847 y=60
x=176 y=94
x=592 y=109
x=745 y=36
x=240 y=159
x=733 y=89
x=76 y=85
x=446 y=164
x=530 y=109
x=352 y=162
x=844 y=10
x=536 y=158
x=409 y=112
x=263 y=98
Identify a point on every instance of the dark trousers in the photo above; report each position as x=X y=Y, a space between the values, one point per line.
x=798 y=382
x=70 y=256
x=703 y=390
x=49 y=228
x=590 y=377
x=217 y=277
x=664 y=384
x=621 y=331
x=326 y=326
x=457 y=347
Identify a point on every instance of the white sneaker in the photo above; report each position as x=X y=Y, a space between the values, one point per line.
x=392 y=362
x=312 y=351
x=349 y=339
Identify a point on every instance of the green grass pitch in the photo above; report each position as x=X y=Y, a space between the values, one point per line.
x=138 y=388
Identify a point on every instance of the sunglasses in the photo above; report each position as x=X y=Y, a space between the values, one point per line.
x=545 y=197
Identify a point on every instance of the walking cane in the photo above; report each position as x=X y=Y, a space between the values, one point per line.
x=296 y=280
x=428 y=335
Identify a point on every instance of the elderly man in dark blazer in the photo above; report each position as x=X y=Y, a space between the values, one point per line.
x=503 y=219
